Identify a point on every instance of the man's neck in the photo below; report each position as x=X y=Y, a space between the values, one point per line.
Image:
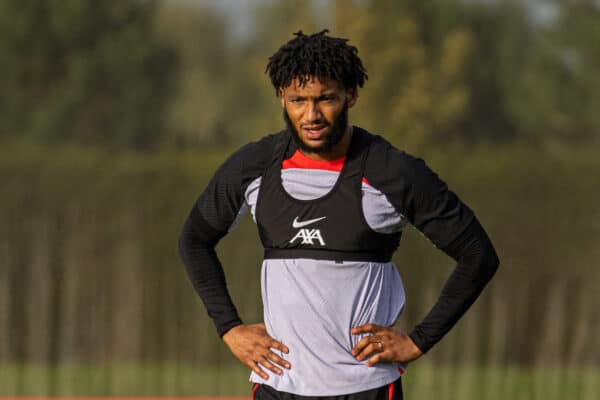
x=338 y=151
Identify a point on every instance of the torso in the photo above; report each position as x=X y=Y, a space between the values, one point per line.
x=311 y=304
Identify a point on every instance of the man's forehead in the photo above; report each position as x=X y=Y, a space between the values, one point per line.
x=313 y=83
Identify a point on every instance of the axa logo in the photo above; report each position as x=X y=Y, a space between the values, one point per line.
x=307 y=236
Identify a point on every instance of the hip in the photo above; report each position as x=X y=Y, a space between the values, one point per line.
x=391 y=391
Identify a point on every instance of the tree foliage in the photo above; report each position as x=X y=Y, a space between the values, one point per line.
x=557 y=94
x=417 y=91
x=129 y=73
x=83 y=71
x=197 y=115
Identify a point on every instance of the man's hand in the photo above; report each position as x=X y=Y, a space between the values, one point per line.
x=385 y=344
x=251 y=344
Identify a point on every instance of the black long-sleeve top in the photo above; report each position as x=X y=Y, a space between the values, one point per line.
x=409 y=185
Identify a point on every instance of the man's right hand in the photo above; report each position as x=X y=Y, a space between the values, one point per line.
x=252 y=345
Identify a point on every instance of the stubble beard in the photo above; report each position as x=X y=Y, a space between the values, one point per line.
x=338 y=128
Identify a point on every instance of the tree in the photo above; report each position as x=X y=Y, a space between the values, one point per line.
x=83 y=71
x=417 y=89
x=557 y=95
x=198 y=111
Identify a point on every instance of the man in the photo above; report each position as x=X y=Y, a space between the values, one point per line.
x=330 y=201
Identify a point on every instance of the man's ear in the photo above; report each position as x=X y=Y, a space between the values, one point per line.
x=282 y=97
x=351 y=97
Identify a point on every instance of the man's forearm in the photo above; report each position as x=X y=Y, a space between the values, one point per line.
x=197 y=249
x=476 y=264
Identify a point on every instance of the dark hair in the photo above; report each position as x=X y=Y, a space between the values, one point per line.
x=316 y=55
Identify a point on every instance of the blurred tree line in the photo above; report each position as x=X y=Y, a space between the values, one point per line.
x=143 y=74
x=88 y=241
x=83 y=71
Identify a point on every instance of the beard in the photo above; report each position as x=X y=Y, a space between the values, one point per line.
x=338 y=128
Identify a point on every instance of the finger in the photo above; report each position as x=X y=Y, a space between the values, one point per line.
x=279 y=346
x=372 y=328
x=264 y=362
x=377 y=358
x=371 y=348
x=364 y=342
x=254 y=366
x=278 y=360
x=360 y=346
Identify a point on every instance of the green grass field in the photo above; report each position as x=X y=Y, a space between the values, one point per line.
x=423 y=381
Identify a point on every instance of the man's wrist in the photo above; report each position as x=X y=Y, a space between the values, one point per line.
x=419 y=342
x=223 y=329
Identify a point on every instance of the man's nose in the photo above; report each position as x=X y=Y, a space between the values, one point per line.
x=313 y=113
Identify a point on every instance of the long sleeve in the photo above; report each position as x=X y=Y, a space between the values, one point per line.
x=209 y=221
x=476 y=264
x=197 y=249
x=424 y=199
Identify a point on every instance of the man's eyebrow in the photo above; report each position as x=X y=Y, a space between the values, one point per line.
x=320 y=97
x=327 y=94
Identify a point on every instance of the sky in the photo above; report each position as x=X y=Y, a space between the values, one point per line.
x=236 y=12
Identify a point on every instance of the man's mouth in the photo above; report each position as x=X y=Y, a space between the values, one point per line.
x=314 y=131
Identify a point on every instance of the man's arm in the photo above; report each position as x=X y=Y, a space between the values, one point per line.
x=419 y=194
x=197 y=249
x=476 y=264
x=445 y=220
x=249 y=343
x=211 y=217
x=209 y=220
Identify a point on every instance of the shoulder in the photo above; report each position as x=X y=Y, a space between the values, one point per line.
x=257 y=151
x=417 y=192
x=386 y=162
x=223 y=197
x=250 y=159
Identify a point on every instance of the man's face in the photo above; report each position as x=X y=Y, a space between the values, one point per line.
x=317 y=113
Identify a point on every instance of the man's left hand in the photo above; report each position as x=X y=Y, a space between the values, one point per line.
x=384 y=345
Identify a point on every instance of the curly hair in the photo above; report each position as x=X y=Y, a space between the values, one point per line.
x=317 y=55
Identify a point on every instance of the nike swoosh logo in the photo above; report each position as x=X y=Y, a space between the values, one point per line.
x=298 y=224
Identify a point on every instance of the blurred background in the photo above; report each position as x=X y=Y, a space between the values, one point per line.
x=114 y=114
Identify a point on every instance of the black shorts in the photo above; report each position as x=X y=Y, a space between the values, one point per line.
x=393 y=391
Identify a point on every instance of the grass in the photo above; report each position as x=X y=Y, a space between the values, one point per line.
x=423 y=381
x=122 y=380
